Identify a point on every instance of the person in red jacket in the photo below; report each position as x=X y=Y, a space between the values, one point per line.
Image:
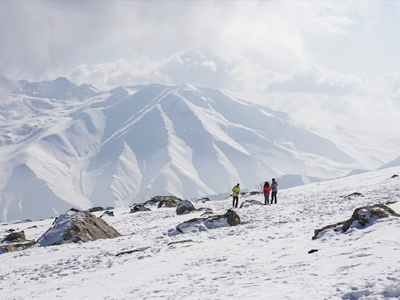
x=267 y=190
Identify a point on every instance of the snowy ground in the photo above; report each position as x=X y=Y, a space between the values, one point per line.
x=266 y=257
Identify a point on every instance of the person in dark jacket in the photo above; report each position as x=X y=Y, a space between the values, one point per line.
x=266 y=190
x=235 y=195
x=274 y=188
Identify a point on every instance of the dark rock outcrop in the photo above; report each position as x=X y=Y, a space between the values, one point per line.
x=139 y=207
x=164 y=201
x=355 y=194
x=394 y=176
x=252 y=193
x=248 y=203
x=107 y=213
x=230 y=218
x=180 y=242
x=94 y=209
x=361 y=217
x=185 y=207
x=15 y=241
x=203 y=200
x=15 y=237
x=77 y=226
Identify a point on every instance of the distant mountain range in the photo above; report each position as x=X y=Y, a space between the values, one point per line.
x=65 y=145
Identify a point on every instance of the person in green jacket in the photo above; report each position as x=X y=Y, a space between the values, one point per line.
x=235 y=194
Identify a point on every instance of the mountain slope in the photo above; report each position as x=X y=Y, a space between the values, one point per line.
x=131 y=143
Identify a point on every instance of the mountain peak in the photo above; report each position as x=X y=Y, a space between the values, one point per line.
x=60 y=89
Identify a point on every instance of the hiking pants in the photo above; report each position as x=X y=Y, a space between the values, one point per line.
x=273 y=197
x=266 y=197
x=235 y=204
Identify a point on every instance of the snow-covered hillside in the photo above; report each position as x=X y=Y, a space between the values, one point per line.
x=80 y=148
x=265 y=257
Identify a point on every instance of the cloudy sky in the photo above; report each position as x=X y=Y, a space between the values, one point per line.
x=304 y=57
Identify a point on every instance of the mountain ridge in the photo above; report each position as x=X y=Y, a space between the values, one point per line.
x=131 y=143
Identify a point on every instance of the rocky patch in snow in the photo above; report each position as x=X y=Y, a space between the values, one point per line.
x=230 y=218
x=15 y=241
x=164 y=201
x=77 y=226
x=362 y=216
x=248 y=203
x=139 y=207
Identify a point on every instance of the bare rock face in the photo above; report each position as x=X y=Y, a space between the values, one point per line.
x=230 y=218
x=77 y=226
x=248 y=203
x=185 y=207
x=361 y=217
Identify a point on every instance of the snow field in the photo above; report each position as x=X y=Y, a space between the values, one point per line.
x=266 y=257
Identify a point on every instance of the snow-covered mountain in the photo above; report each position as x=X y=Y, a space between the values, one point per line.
x=63 y=145
x=265 y=257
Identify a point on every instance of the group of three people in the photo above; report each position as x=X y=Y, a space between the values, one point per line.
x=267 y=190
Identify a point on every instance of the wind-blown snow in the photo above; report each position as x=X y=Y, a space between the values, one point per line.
x=265 y=257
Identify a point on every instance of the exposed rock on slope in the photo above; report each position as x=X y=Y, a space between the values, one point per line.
x=361 y=217
x=248 y=203
x=164 y=201
x=184 y=207
x=15 y=241
x=230 y=218
x=77 y=226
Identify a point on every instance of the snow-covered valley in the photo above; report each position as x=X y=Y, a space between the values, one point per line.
x=265 y=257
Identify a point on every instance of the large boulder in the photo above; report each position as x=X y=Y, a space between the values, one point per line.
x=164 y=201
x=230 y=218
x=77 y=226
x=248 y=203
x=362 y=216
x=185 y=207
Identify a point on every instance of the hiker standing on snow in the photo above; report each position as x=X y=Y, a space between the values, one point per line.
x=235 y=194
x=266 y=190
x=274 y=188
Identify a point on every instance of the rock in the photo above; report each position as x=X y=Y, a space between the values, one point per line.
x=312 y=251
x=139 y=207
x=180 y=242
x=185 y=207
x=361 y=217
x=107 y=213
x=77 y=226
x=128 y=252
x=390 y=202
x=230 y=218
x=355 y=194
x=203 y=200
x=15 y=237
x=394 y=176
x=252 y=193
x=164 y=201
x=205 y=210
x=15 y=241
x=248 y=203
x=7 y=248
x=94 y=209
